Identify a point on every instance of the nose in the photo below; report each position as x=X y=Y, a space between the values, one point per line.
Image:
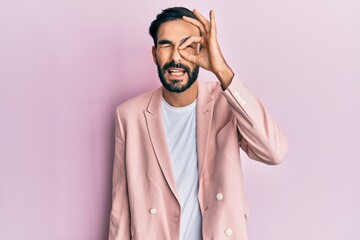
x=176 y=55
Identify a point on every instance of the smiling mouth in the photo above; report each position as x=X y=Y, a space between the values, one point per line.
x=176 y=72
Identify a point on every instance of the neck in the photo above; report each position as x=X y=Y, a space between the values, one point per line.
x=181 y=99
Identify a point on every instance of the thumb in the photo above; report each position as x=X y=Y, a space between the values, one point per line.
x=188 y=56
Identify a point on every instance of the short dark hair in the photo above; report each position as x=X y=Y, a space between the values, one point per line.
x=169 y=14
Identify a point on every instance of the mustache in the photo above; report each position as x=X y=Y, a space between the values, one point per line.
x=175 y=65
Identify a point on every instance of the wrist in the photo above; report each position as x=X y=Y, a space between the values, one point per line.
x=225 y=76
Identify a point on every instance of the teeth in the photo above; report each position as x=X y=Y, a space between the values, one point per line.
x=176 y=72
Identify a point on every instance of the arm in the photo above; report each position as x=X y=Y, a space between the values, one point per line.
x=260 y=136
x=119 y=228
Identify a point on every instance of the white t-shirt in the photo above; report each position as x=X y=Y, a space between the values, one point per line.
x=180 y=129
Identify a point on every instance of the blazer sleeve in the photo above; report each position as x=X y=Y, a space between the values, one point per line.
x=119 y=228
x=260 y=136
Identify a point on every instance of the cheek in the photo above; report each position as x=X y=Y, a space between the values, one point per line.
x=163 y=56
x=192 y=66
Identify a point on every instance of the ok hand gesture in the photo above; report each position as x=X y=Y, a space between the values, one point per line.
x=210 y=56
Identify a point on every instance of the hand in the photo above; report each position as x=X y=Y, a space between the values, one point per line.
x=210 y=56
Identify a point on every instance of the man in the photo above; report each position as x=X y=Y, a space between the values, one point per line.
x=177 y=169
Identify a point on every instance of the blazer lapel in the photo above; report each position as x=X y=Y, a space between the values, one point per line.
x=158 y=139
x=204 y=114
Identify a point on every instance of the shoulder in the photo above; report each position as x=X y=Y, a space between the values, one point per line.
x=135 y=105
x=212 y=87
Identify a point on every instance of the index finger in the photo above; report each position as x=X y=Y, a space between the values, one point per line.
x=191 y=40
x=197 y=23
x=202 y=19
x=212 y=20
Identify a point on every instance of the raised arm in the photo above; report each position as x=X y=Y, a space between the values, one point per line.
x=260 y=136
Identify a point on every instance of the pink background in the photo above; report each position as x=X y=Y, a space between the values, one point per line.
x=65 y=66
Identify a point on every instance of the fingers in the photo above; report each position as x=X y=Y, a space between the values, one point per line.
x=197 y=24
x=212 y=21
x=202 y=19
x=203 y=24
x=190 y=40
x=206 y=40
x=193 y=54
x=188 y=56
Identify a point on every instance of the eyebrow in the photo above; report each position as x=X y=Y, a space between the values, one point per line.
x=165 y=41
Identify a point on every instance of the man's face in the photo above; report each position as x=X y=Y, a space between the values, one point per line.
x=175 y=73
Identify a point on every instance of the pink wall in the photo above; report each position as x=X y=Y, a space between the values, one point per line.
x=65 y=65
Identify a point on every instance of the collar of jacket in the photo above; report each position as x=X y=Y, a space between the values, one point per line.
x=204 y=111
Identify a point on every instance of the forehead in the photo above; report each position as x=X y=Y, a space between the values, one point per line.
x=176 y=30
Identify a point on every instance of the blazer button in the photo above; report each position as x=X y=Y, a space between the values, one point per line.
x=153 y=211
x=228 y=232
x=219 y=196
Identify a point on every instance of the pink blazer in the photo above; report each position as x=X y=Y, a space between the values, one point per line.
x=145 y=203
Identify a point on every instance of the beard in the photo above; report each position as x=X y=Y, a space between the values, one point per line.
x=174 y=86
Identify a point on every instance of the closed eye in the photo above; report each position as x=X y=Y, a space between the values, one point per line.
x=165 y=45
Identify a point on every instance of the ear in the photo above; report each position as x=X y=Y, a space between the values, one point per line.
x=153 y=51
